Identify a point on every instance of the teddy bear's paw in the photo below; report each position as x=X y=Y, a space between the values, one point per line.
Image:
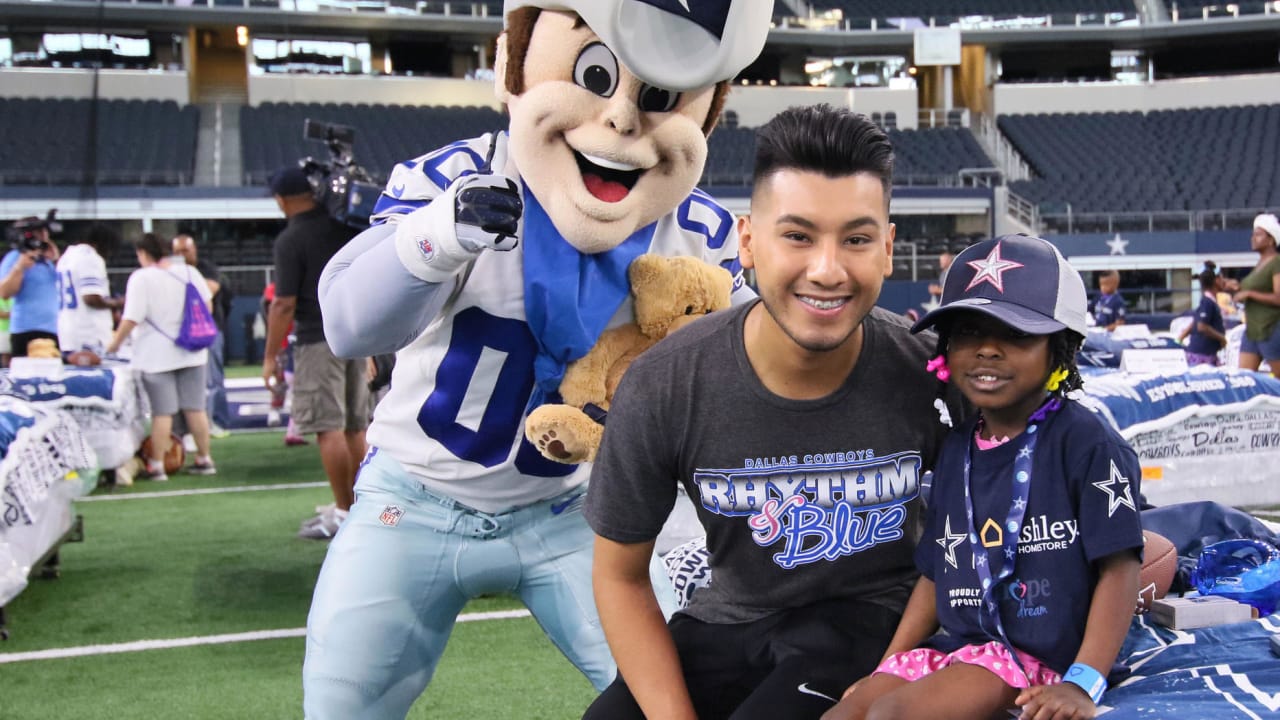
x=550 y=445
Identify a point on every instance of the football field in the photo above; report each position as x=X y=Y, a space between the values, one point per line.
x=188 y=599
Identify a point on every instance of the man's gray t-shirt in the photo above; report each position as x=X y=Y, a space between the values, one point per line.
x=802 y=500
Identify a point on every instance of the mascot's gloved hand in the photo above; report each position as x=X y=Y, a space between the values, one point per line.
x=487 y=211
x=478 y=212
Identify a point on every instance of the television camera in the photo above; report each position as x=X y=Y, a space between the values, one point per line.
x=25 y=236
x=343 y=188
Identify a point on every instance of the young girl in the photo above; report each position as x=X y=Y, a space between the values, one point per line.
x=1207 y=330
x=1032 y=544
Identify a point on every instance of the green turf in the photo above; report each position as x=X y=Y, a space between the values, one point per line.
x=174 y=567
x=244 y=458
x=240 y=370
x=496 y=669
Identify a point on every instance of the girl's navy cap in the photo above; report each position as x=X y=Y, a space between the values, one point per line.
x=1020 y=280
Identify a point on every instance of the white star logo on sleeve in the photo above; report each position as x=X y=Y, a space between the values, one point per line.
x=950 y=542
x=1116 y=486
x=991 y=269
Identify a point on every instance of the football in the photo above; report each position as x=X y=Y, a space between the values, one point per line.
x=1159 y=565
x=84 y=358
x=173 y=460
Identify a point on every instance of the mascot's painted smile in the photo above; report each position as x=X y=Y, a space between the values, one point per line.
x=607 y=180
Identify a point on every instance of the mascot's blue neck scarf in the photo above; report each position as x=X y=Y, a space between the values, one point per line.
x=569 y=296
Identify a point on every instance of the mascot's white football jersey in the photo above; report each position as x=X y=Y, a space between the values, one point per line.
x=454 y=416
x=82 y=271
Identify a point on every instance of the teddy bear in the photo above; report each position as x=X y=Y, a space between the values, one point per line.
x=669 y=293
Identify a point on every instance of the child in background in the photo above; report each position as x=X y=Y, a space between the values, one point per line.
x=1207 y=330
x=6 y=351
x=1109 y=309
x=1032 y=543
x=282 y=381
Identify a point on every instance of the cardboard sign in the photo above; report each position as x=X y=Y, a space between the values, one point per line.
x=1154 y=360
x=1131 y=332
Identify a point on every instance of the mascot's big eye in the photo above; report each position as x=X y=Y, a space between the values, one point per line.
x=596 y=69
x=655 y=99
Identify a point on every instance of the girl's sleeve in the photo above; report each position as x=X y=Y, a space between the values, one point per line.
x=1107 y=483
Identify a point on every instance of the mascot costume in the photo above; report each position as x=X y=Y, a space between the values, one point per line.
x=493 y=263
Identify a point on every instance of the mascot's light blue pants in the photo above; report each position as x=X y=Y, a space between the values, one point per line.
x=393 y=584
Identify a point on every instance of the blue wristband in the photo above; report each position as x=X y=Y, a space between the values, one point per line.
x=1087 y=679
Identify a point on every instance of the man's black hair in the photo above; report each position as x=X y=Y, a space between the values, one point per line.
x=104 y=238
x=820 y=138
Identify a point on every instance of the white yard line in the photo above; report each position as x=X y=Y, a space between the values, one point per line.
x=201 y=491
x=141 y=645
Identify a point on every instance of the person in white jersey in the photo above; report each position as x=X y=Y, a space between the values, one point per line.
x=86 y=312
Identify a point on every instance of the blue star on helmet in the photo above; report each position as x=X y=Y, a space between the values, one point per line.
x=991 y=269
x=950 y=541
x=1117 y=488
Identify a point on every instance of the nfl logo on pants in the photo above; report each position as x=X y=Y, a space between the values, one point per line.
x=391 y=515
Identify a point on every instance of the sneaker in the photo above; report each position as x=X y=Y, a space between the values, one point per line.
x=152 y=475
x=295 y=440
x=326 y=526
x=199 y=468
x=217 y=432
x=321 y=511
x=189 y=443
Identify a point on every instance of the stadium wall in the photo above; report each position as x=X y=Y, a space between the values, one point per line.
x=756 y=104
x=379 y=90
x=1033 y=98
x=112 y=84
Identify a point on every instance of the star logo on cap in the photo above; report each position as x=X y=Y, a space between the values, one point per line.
x=1116 y=486
x=991 y=269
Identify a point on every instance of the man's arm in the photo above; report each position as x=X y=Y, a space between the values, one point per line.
x=279 y=319
x=636 y=631
x=122 y=332
x=12 y=283
x=99 y=302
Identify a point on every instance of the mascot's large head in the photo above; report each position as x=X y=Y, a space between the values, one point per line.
x=611 y=102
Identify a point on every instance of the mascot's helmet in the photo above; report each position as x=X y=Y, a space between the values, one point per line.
x=673 y=44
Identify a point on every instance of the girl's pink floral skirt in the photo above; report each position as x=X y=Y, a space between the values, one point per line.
x=994 y=656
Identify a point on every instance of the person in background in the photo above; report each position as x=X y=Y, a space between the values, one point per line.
x=6 y=346
x=1037 y=625
x=173 y=377
x=281 y=385
x=1207 y=330
x=1260 y=293
x=1108 y=308
x=29 y=276
x=330 y=394
x=184 y=244
x=85 y=319
x=935 y=288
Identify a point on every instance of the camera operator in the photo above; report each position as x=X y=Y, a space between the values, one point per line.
x=330 y=395
x=31 y=279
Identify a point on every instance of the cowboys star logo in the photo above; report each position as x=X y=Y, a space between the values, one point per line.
x=991 y=269
x=1116 y=486
x=950 y=541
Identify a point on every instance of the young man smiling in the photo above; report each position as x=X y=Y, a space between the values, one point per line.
x=800 y=425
